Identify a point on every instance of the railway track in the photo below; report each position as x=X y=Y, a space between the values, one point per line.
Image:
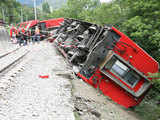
x=11 y=59
x=10 y=65
x=10 y=54
x=7 y=53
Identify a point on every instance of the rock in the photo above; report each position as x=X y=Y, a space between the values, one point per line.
x=80 y=113
x=35 y=115
x=97 y=114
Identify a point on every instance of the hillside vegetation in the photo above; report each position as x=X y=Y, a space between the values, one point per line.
x=56 y=3
x=53 y=3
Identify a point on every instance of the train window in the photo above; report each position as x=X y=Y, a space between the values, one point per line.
x=124 y=72
x=115 y=35
x=43 y=26
x=119 y=68
x=131 y=78
x=111 y=38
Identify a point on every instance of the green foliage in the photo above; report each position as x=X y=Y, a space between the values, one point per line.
x=75 y=9
x=59 y=13
x=156 y=81
x=56 y=4
x=12 y=11
x=147 y=111
x=107 y=13
x=142 y=25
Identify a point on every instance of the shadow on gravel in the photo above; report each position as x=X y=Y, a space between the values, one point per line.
x=83 y=107
x=65 y=75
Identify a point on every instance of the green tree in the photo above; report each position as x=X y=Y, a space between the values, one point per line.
x=107 y=13
x=142 y=24
x=11 y=10
x=75 y=9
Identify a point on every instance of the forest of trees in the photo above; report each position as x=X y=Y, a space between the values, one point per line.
x=13 y=12
x=9 y=10
x=138 y=19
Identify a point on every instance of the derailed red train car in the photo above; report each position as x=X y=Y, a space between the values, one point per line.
x=49 y=27
x=108 y=60
x=51 y=23
x=23 y=27
x=45 y=27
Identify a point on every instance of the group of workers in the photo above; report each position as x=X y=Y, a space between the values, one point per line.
x=23 y=38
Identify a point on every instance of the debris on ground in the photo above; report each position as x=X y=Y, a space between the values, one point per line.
x=43 y=76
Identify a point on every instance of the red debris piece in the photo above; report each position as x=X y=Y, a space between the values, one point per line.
x=43 y=76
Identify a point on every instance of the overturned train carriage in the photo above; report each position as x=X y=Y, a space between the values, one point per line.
x=107 y=59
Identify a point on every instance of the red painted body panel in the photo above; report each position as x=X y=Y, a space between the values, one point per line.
x=140 y=59
x=32 y=23
x=26 y=25
x=13 y=30
x=112 y=90
x=22 y=27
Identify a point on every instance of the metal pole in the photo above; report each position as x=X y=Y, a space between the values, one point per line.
x=35 y=11
x=3 y=14
x=26 y=17
x=21 y=15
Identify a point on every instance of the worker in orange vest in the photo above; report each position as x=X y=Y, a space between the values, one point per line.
x=36 y=35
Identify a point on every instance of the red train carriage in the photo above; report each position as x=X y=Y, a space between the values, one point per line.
x=13 y=31
x=110 y=61
x=23 y=27
x=49 y=27
x=51 y=23
x=45 y=26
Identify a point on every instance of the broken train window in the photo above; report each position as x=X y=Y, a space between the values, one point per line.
x=121 y=70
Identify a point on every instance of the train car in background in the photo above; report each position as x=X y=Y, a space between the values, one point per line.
x=13 y=31
x=49 y=27
x=51 y=23
x=29 y=25
x=23 y=27
x=23 y=30
x=108 y=60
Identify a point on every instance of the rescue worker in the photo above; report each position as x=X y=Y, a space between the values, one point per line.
x=29 y=36
x=13 y=34
x=25 y=37
x=20 y=38
x=37 y=35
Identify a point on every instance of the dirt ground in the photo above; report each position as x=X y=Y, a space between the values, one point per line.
x=90 y=104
